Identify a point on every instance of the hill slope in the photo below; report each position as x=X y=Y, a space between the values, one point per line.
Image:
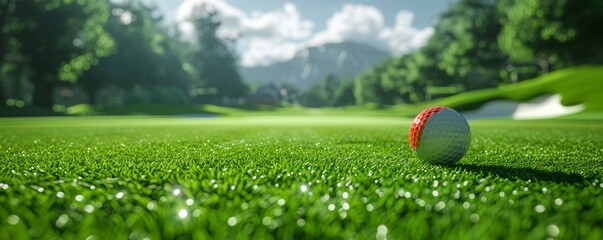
x=580 y=85
x=312 y=65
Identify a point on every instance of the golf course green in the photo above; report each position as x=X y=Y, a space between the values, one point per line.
x=282 y=177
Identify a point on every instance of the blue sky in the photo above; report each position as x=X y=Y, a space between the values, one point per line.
x=271 y=30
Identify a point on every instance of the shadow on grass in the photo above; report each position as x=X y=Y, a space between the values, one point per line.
x=523 y=173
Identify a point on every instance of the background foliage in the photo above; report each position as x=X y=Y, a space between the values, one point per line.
x=61 y=53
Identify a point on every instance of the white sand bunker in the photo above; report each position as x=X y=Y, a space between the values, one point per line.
x=546 y=106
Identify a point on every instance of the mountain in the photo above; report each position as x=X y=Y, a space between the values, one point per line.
x=311 y=65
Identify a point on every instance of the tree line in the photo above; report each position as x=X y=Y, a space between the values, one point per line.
x=486 y=43
x=122 y=53
x=115 y=52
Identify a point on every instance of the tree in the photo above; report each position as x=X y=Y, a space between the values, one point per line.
x=368 y=87
x=314 y=97
x=290 y=93
x=329 y=85
x=6 y=10
x=343 y=95
x=466 y=44
x=217 y=77
x=462 y=54
x=145 y=57
x=552 y=33
x=59 y=40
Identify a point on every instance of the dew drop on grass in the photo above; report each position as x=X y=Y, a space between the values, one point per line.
x=12 y=219
x=281 y=202
x=182 y=213
x=435 y=193
x=466 y=205
x=232 y=221
x=539 y=208
x=381 y=232
x=278 y=212
x=266 y=221
x=80 y=198
x=60 y=194
x=344 y=195
x=176 y=192
x=325 y=198
x=370 y=207
x=197 y=213
x=345 y=206
x=119 y=195
x=151 y=205
x=89 y=208
x=301 y=222
x=474 y=218
x=331 y=207
x=92 y=237
x=552 y=230
x=304 y=188
x=558 y=201
x=190 y=201
x=62 y=220
x=439 y=206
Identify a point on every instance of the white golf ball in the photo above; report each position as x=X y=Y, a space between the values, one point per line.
x=439 y=135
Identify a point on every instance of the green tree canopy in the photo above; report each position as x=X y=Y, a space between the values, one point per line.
x=145 y=56
x=560 y=33
x=59 y=39
x=214 y=60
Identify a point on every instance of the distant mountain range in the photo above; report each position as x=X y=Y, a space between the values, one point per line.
x=313 y=64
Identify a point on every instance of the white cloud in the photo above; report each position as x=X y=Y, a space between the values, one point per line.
x=266 y=52
x=365 y=24
x=263 y=37
x=359 y=23
x=268 y=37
x=403 y=37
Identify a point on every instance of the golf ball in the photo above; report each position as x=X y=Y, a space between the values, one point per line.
x=439 y=135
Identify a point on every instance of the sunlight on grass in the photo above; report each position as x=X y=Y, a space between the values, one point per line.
x=276 y=177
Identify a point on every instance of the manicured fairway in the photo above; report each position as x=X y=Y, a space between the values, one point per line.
x=294 y=177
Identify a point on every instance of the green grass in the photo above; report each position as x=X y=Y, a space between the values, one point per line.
x=579 y=85
x=286 y=177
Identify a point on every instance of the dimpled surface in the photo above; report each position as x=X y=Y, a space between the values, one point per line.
x=444 y=138
x=419 y=123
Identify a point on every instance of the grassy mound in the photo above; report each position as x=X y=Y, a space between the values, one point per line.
x=581 y=85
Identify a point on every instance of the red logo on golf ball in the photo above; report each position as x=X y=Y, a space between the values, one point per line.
x=439 y=135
